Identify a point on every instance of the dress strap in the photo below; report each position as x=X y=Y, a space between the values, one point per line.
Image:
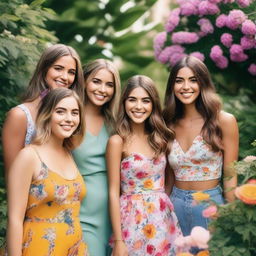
x=37 y=153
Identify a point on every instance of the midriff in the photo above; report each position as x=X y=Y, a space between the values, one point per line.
x=196 y=185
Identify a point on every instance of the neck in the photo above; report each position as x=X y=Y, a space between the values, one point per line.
x=92 y=109
x=190 y=112
x=55 y=143
x=138 y=129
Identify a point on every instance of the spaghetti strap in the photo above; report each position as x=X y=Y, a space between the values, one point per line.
x=37 y=153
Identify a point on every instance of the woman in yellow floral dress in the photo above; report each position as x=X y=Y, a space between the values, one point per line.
x=44 y=187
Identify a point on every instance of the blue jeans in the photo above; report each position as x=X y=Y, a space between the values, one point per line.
x=189 y=214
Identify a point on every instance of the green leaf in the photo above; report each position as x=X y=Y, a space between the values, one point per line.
x=36 y=3
x=7 y=16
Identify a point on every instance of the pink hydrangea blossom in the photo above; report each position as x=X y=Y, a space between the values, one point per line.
x=159 y=42
x=188 y=8
x=249 y=27
x=165 y=55
x=228 y=1
x=226 y=39
x=252 y=70
x=207 y=8
x=235 y=19
x=221 y=21
x=173 y=20
x=184 y=37
x=176 y=57
x=198 y=55
x=205 y=26
x=216 y=52
x=243 y=3
x=247 y=42
x=214 y=1
x=222 y=62
x=210 y=211
x=237 y=54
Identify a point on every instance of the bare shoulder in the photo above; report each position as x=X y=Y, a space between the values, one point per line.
x=115 y=140
x=226 y=118
x=27 y=155
x=16 y=115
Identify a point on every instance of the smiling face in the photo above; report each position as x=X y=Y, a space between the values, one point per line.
x=100 y=87
x=138 y=105
x=186 y=87
x=61 y=73
x=65 y=118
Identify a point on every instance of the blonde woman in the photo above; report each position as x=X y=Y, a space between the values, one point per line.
x=102 y=89
x=44 y=186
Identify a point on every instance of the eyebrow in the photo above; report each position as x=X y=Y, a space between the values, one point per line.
x=58 y=65
x=183 y=78
x=133 y=97
x=61 y=108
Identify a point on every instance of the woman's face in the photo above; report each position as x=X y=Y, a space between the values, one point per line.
x=65 y=118
x=100 y=87
x=61 y=73
x=138 y=105
x=186 y=87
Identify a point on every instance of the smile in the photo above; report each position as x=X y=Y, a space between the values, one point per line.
x=99 y=96
x=60 y=83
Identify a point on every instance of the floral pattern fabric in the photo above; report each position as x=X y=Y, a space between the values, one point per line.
x=51 y=225
x=198 y=163
x=149 y=225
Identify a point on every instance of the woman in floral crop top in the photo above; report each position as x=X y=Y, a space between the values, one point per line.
x=205 y=145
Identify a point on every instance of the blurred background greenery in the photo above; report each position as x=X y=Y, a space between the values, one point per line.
x=120 y=30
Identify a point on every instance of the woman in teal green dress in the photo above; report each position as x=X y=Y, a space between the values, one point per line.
x=102 y=92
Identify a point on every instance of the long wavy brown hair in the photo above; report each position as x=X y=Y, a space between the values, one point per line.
x=208 y=103
x=158 y=133
x=109 y=109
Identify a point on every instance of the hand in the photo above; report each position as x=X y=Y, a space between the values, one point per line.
x=120 y=249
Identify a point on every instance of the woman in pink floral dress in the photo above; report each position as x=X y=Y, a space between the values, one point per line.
x=143 y=220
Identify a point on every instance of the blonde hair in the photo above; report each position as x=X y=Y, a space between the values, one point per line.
x=43 y=120
x=38 y=85
x=109 y=109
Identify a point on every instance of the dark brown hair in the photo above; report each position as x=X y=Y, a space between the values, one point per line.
x=159 y=134
x=207 y=104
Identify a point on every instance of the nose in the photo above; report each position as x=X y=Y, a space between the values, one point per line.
x=64 y=75
x=139 y=104
x=68 y=117
x=102 y=87
x=186 y=85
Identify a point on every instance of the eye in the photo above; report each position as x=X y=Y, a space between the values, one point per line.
x=193 y=80
x=146 y=101
x=96 y=81
x=60 y=112
x=111 y=85
x=72 y=72
x=57 y=68
x=131 y=99
x=178 y=81
x=75 y=113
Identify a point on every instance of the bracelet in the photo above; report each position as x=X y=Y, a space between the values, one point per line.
x=116 y=240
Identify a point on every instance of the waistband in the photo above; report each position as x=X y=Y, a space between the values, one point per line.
x=143 y=192
x=188 y=193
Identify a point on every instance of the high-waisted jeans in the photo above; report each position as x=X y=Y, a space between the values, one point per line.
x=190 y=214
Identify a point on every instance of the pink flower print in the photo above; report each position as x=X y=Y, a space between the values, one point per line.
x=165 y=246
x=125 y=234
x=172 y=228
x=162 y=204
x=141 y=175
x=131 y=183
x=151 y=249
x=126 y=165
x=61 y=192
x=137 y=244
x=137 y=157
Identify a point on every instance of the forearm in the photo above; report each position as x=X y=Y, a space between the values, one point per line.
x=229 y=188
x=14 y=238
x=115 y=216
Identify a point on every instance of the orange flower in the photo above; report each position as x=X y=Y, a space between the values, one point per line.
x=137 y=244
x=148 y=184
x=150 y=207
x=246 y=193
x=138 y=218
x=200 y=196
x=203 y=253
x=184 y=254
x=149 y=231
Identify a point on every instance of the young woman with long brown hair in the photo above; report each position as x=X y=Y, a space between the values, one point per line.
x=142 y=218
x=205 y=144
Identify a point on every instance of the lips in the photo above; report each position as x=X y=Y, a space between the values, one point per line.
x=187 y=94
x=67 y=127
x=138 y=114
x=60 y=83
x=99 y=96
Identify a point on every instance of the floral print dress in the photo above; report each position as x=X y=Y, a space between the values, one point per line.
x=51 y=225
x=149 y=225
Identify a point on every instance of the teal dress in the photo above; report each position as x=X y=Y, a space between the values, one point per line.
x=94 y=213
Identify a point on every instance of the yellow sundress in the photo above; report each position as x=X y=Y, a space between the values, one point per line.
x=52 y=225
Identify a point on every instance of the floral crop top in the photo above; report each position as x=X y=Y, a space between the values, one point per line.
x=198 y=163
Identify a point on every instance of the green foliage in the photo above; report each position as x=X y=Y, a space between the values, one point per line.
x=23 y=36
x=234 y=230
x=96 y=27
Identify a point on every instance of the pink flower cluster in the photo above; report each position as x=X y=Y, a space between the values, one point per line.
x=198 y=55
x=249 y=28
x=159 y=42
x=173 y=20
x=205 y=26
x=235 y=19
x=247 y=42
x=217 y=56
x=189 y=7
x=207 y=8
x=184 y=37
x=243 y=3
x=226 y=39
x=237 y=53
x=171 y=54
x=252 y=69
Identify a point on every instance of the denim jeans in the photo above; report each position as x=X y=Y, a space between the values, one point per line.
x=188 y=213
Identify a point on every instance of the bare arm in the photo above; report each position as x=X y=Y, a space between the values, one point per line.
x=169 y=179
x=114 y=157
x=20 y=176
x=231 y=146
x=13 y=136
